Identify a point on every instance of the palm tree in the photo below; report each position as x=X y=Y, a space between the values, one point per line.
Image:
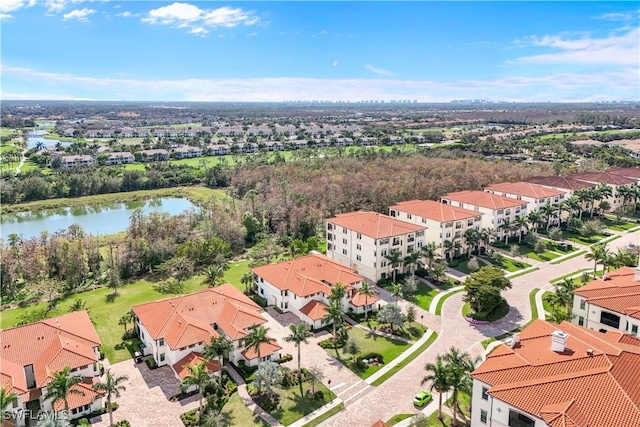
x=601 y=192
x=449 y=246
x=430 y=251
x=598 y=253
x=246 y=280
x=338 y=293
x=61 y=386
x=507 y=228
x=548 y=211
x=534 y=219
x=257 y=336
x=471 y=239
x=412 y=260
x=626 y=193
x=563 y=296
x=299 y=334
x=367 y=291
x=396 y=290
x=6 y=398
x=573 y=205
x=199 y=377
x=604 y=206
x=438 y=377
x=521 y=223
x=110 y=387
x=460 y=365
x=213 y=276
x=334 y=315
x=584 y=196
x=219 y=347
x=395 y=259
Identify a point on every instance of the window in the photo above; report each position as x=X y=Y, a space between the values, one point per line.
x=448 y=235
x=507 y=212
x=458 y=225
x=383 y=252
x=424 y=220
x=344 y=230
x=419 y=244
x=476 y=208
x=262 y=291
x=470 y=223
x=192 y=345
x=485 y=396
x=162 y=357
x=358 y=258
x=344 y=241
x=582 y=304
x=358 y=246
x=329 y=246
x=396 y=241
x=358 y=236
x=161 y=342
x=409 y=216
x=419 y=233
x=383 y=263
x=448 y=224
x=329 y=226
x=634 y=329
x=409 y=248
x=581 y=321
x=610 y=319
x=483 y=416
x=517 y=419
x=344 y=252
x=500 y=211
x=329 y=236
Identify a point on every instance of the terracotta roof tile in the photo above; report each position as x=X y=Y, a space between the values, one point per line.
x=374 y=224
x=314 y=310
x=619 y=293
x=598 y=177
x=562 y=182
x=628 y=172
x=308 y=275
x=75 y=400
x=483 y=199
x=266 y=349
x=435 y=211
x=193 y=358
x=526 y=189
x=360 y=300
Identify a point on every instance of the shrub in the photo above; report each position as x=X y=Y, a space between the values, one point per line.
x=189 y=419
x=473 y=265
x=83 y=422
x=231 y=387
x=285 y=358
x=151 y=363
x=123 y=423
x=318 y=395
x=368 y=356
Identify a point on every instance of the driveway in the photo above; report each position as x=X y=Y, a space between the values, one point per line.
x=146 y=400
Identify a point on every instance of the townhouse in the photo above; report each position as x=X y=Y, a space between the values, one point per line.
x=612 y=180
x=536 y=196
x=119 y=158
x=496 y=209
x=33 y=353
x=154 y=155
x=633 y=172
x=362 y=240
x=176 y=328
x=303 y=285
x=444 y=222
x=76 y=161
x=187 y=152
x=559 y=376
x=611 y=303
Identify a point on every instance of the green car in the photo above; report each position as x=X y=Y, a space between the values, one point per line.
x=422 y=398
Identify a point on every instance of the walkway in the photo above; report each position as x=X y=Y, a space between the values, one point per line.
x=244 y=395
x=22 y=160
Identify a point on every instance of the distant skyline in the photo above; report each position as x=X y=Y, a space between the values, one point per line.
x=334 y=51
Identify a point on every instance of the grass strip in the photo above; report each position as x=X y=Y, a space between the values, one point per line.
x=397 y=418
x=573 y=273
x=442 y=300
x=406 y=361
x=574 y=255
x=322 y=418
x=522 y=273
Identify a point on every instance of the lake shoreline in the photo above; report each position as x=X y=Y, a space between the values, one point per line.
x=196 y=194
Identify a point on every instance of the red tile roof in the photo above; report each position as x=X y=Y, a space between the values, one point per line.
x=308 y=275
x=483 y=199
x=314 y=310
x=525 y=189
x=374 y=224
x=628 y=172
x=598 y=177
x=360 y=300
x=49 y=345
x=570 y=388
x=266 y=349
x=86 y=396
x=562 y=182
x=192 y=319
x=436 y=211
x=194 y=358
x=619 y=293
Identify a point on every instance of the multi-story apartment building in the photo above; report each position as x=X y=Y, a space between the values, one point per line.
x=537 y=196
x=33 y=353
x=444 y=222
x=303 y=285
x=362 y=240
x=610 y=304
x=612 y=180
x=559 y=376
x=494 y=207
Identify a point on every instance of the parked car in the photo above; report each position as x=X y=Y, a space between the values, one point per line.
x=422 y=398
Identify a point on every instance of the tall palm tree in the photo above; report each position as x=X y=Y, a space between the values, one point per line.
x=507 y=228
x=61 y=386
x=460 y=365
x=395 y=259
x=584 y=196
x=338 y=293
x=573 y=204
x=438 y=377
x=471 y=239
x=218 y=347
x=334 y=315
x=396 y=290
x=110 y=387
x=548 y=211
x=368 y=291
x=246 y=280
x=198 y=377
x=601 y=192
x=626 y=193
x=213 y=276
x=412 y=260
x=534 y=219
x=430 y=251
x=299 y=334
x=521 y=224
x=6 y=398
x=598 y=254
x=257 y=336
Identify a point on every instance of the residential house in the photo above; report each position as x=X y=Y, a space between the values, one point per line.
x=230 y=131
x=119 y=158
x=173 y=328
x=559 y=376
x=633 y=173
x=187 y=152
x=33 y=353
x=537 y=196
x=362 y=240
x=141 y=133
x=496 y=209
x=76 y=161
x=260 y=130
x=303 y=285
x=127 y=132
x=155 y=155
x=444 y=222
x=219 y=149
x=611 y=303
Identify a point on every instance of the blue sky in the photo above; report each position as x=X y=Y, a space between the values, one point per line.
x=276 y=51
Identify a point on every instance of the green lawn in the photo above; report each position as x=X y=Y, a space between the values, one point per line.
x=461 y=266
x=614 y=224
x=412 y=331
x=577 y=238
x=433 y=421
x=547 y=307
x=443 y=299
x=404 y=362
x=496 y=314
x=324 y=417
x=106 y=314
x=573 y=273
x=370 y=343
x=464 y=402
x=425 y=295
x=238 y=414
x=397 y=418
x=293 y=407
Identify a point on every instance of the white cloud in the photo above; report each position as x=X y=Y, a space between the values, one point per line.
x=620 y=16
x=5 y=16
x=320 y=33
x=335 y=63
x=197 y=20
x=252 y=34
x=587 y=86
x=377 y=70
x=7 y=6
x=127 y=14
x=615 y=49
x=81 y=15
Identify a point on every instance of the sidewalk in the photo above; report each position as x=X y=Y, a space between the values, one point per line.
x=244 y=395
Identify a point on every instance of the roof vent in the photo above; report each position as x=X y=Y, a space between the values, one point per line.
x=559 y=341
x=590 y=352
x=515 y=340
x=215 y=326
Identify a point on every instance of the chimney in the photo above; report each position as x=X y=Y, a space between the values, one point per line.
x=559 y=341
x=590 y=352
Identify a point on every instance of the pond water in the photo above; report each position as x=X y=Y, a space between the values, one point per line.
x=35 y=137
x=94 y=219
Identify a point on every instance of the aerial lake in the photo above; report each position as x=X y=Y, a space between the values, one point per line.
x=35 y=138
x=94 y=219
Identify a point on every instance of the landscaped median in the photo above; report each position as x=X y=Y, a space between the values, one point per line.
x=534 y=315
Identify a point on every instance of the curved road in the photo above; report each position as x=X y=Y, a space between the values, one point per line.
x=395 y=395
